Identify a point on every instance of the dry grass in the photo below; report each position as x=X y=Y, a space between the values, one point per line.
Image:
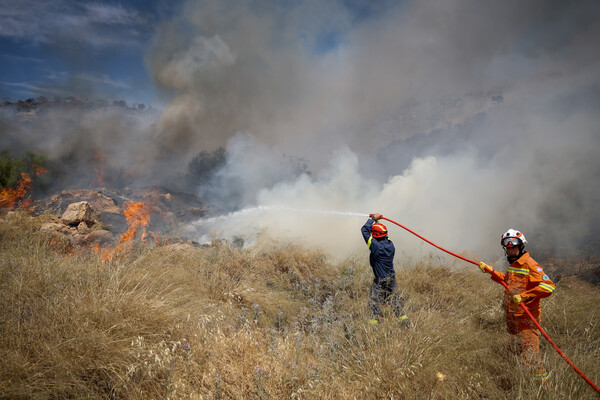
x=221 y=323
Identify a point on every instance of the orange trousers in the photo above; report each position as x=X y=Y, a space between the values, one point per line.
x=528 y=337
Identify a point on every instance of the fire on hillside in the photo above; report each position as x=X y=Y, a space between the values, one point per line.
x=106 y=219
x=17 y=196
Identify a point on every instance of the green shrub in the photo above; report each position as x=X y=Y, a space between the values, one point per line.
x=11 y=168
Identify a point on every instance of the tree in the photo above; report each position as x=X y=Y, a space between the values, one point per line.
x=204 y=164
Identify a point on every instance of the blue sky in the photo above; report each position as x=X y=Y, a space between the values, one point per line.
x=96 y=49
x=89 y=49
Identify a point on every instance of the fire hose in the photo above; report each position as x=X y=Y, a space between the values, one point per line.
x=585 y=378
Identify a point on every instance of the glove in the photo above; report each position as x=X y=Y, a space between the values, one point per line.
x=376 y=216
x=483 y=266
x=517 y=298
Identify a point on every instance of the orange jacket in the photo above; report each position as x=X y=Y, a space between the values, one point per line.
x=525 y=277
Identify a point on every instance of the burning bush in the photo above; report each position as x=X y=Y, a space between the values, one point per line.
x=13 y=191
x=12 y=169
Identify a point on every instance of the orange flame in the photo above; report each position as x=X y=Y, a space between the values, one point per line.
x=39 y=170
x=9 y=197
x=137 y=214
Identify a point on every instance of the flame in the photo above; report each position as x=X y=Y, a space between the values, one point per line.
x=102 y=253
x=10 y=197
x=137 y=215
x=39 y=170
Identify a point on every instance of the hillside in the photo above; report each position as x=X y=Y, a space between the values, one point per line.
x=275 y=322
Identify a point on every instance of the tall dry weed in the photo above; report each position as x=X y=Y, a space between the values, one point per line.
x=218 y=322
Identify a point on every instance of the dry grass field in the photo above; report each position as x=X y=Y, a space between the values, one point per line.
x=283 y=323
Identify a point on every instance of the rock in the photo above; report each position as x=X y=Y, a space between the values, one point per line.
x=83 y=228
x=80 y=212
x=51 y=227
x=97 y=200
x=100 y=236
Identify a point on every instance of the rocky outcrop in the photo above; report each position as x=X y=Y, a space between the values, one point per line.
x=81 y=225
x=80 y=213
x=99 y=201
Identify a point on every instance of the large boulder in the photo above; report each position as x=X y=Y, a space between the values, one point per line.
x=80 y=212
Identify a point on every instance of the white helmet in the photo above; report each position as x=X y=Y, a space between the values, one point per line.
x=512 y=238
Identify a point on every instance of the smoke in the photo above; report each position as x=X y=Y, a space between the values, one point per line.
x=458 y=119
x=260 y=67
x=79 y=141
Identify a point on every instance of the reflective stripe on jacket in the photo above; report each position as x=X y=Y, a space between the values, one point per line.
x=525 y=277
x=382 y=252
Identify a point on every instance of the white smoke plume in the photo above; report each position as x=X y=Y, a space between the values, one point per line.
x=458 y=120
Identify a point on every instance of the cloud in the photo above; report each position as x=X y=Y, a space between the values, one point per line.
x=109 y=14
x=66 y=21
x=63 y=84
x=20 y=59
x=102 y=79
x=35 y=90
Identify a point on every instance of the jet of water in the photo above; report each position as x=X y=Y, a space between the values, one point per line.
x=270 y=209
x=248 y=224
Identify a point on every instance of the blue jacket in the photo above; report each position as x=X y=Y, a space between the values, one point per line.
x=382 y=252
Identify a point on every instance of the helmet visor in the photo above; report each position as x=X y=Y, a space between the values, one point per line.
x=510 y=242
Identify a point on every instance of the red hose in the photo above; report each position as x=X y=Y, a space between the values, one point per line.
x=585 y=378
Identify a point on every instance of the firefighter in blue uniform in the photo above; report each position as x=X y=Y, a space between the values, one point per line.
x=382 y=261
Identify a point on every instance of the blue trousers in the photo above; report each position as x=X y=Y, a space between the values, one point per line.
x=383 y=292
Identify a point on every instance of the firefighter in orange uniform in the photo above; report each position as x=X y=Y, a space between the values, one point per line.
x=527 y=283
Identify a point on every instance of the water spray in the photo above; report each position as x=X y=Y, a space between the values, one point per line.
x=270 y=209
x=202 y=227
